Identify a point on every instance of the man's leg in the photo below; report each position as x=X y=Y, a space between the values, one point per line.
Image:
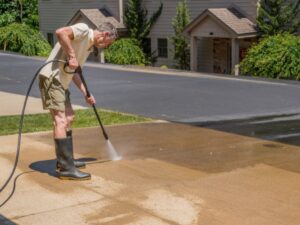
x=70 y=118
x=69 y=112
x=59 y=123
x=54 y=98
x=62 y=129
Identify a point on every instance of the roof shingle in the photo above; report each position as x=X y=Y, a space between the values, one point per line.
x=230 y=18
x=234 y=20
x=97 y=16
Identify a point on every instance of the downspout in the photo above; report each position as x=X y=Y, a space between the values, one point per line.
x=121 y=11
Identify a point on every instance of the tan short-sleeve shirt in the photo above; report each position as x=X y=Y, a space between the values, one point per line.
x=82 y=45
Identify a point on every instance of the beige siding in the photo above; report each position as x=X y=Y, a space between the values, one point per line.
x=209 y=28
x=196 y=7
x=56 y=13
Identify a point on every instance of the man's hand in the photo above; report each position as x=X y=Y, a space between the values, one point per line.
x=90 y=100
x=73 y=63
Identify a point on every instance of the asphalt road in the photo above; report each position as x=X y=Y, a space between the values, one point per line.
x=183 y=98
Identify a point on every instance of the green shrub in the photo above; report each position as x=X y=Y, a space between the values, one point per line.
x=125 y=51
x=21 y=38
x=164 y=67
x=7 y=18
x=274 y=57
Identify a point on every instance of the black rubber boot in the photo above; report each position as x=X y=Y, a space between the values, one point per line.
x=67 y=171
x=77 y=163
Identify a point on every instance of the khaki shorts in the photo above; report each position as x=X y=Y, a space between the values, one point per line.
x=54 y=96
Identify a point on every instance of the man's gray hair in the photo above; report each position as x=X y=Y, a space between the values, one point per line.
x=108 y=27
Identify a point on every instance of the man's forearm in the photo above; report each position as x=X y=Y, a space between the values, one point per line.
x=79 y=84
x=89 y=99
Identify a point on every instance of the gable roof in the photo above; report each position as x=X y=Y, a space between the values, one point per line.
x=230 y=18
x=95 y=17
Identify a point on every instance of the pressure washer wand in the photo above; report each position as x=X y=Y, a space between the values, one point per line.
x=79 y=71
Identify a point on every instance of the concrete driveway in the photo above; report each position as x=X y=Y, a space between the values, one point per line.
x=169 y=174
x=224 y=174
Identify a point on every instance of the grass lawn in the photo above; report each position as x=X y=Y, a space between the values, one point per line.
x=83 y=118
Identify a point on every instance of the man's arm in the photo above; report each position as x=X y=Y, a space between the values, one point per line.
x=76 y=79
x=65 y=36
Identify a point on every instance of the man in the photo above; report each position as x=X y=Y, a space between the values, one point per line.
x=74 y=45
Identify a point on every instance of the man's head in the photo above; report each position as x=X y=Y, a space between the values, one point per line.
x=104 y=35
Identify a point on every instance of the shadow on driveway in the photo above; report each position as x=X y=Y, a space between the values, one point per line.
x=5 y=221
x=49 y=166
x=281 y=128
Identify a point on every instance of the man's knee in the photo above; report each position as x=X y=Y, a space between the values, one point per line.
x=60 y=123
x=59 y=120
x=70 y=119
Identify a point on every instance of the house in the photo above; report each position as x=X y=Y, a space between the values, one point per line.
x=220 y=31
x=219 y=37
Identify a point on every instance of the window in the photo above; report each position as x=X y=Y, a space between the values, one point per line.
x=162 y=45
x=50 y=39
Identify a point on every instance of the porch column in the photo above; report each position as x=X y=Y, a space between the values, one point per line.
x=194 y=51
x=100 y=56
x=235 y=55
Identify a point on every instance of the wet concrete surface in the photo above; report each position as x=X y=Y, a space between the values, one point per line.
x=280 y=128
x=170 y=174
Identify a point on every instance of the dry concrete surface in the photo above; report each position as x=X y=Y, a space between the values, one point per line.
x=169 y=174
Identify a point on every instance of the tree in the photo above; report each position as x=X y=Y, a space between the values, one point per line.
x=181 y=50
x=274 y=56
x=8 y=12
x=19 y=11
x=138 y=23
x=278 y=16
